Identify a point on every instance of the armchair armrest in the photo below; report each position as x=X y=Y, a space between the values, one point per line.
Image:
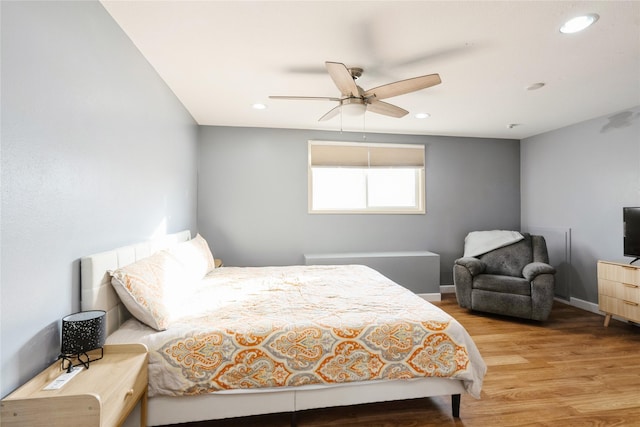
x=542 y=278
x=464 y=270
x=474 y=265
x=534 y=269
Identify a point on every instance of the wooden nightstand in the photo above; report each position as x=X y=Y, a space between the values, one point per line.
x=101 y=396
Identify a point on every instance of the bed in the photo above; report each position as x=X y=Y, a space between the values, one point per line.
x=259 y=340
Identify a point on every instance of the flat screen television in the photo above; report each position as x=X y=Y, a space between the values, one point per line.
x=631 y=232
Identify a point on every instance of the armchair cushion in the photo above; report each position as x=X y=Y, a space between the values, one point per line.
x=530 y=271
x=509 y=260
x=503 y=284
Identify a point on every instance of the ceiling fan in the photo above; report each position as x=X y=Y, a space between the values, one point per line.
x=352 y=94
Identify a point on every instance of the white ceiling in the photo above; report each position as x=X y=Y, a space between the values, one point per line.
x=220 y=57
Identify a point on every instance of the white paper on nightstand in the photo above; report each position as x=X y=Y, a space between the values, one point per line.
x=63 y=378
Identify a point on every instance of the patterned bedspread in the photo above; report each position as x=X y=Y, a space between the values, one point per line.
x=246 y=328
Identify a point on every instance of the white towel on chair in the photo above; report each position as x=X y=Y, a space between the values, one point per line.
x=480 y=242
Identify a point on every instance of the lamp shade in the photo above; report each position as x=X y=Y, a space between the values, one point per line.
x=83 y=331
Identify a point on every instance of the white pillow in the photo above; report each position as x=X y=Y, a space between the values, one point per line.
x=196 y=257
x=148 y=286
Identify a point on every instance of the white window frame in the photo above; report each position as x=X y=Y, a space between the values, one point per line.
x=322 y=154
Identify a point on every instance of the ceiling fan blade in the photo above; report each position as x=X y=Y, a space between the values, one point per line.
x=342 y=78
x=306 y=98
x=330 y=114
x=403 y=86
x=386 y=109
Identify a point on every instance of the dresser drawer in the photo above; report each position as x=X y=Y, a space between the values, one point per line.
x=619 y=290
x=619 y=273
x=627 y=309
x=128 y=387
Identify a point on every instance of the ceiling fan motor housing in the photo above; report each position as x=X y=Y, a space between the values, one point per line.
x=356 y=72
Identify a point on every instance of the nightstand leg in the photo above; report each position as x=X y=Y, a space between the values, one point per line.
x=143 y=410
x=607 y=319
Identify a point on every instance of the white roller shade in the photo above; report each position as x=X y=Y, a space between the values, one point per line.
x=332 y=154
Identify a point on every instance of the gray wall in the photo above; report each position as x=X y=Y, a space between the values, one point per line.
x=96 y=152
x=252 y=197
x=579 y=178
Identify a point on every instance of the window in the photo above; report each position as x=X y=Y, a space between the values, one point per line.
x=351 y=177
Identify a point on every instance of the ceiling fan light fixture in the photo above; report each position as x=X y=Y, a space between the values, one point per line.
x=259 y=106
x=579 y=23
x=422 y=115
x=353 y=107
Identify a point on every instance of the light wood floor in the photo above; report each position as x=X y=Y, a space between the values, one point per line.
x=568 y=371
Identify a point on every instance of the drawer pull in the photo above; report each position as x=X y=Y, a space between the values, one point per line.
x=128 y=394
x=630 y=302
x=629 y=285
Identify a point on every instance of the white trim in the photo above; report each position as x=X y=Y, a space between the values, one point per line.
x=431 y=297
x=364 y=144
x=447 y=289
x=581 y=304
x=592 y=307
x=574 y=302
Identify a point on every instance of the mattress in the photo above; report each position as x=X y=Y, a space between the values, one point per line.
x=261 y=328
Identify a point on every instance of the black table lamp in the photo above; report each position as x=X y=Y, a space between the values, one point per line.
x=81 y=333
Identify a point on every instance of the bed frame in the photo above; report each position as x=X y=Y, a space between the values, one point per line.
x=98 y=294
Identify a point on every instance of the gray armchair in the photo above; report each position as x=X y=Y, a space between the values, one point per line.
x=514 y=280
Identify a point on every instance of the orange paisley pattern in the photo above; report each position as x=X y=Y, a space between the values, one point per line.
x=439 y=357
x=199 y=354
x=252 y=369
x=250 y=328
x=350 y=362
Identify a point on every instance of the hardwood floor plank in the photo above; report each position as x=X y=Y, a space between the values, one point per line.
x=506 y=359
x=604 y=402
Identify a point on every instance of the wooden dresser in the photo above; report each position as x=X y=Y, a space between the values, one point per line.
x=619 y=290
x=101 y=396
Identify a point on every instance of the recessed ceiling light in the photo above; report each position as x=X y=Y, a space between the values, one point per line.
x=578 y=23
x=422 y=115
x=258 y=106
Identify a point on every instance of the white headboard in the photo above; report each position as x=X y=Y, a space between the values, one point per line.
x=96 y=292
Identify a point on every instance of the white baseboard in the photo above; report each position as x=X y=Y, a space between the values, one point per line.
x=574 y=302
x=590 y=306
x=430 y=297
x=582 y=304
x=447 y=289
